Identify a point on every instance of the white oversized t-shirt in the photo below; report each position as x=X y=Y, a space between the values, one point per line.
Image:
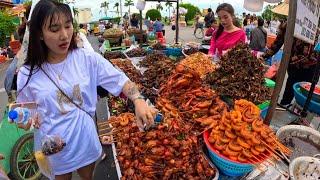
x=82 y=71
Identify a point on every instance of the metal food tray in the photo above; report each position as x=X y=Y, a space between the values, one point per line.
x=116 y=162
x=299 y=131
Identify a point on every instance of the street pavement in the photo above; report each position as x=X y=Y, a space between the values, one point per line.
x=3 y=95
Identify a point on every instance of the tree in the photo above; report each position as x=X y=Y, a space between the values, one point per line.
x=153 y=14
x=169 y=5
x=269 y=15
x=192 y=11
x=27 y=3
x=75 y=11
x=116 y=5
x=7 y=26
x=159 y=7
x=128 y=3
x=105 y=6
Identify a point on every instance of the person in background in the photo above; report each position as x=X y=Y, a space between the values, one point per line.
x=83 y=29
x=258 y=37
x=3 y=51
x=245 y=22
x=212 y=28
x=134 y=21
x=89 y=30
x=198 y=23
x=149 y=25
x=101 y=27
x=301 y=65
x=60 y=71
x=10 y=80
x=158 y=26
x=227 y=35
x=209 y=18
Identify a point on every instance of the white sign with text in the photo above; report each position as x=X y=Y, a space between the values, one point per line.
x=306 y=25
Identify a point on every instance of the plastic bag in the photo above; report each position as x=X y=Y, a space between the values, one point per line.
x=52 y=144
x=272 y=71
x=46 y=145
x=42 y=160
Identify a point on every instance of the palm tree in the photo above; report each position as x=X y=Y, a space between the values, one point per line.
x=105 y=6
x=159 y=7
x=116 y=5
x=128 y=3
x=169 y=5
x=75 y=11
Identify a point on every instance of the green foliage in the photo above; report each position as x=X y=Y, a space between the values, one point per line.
x=169 y=4
x=128 y=3
x=7 y=26
x=192 y=11
x=27 y=3
x=153 y=14
x=159 y=7
x=269 y=15
x=116 y=20
x=116 y=5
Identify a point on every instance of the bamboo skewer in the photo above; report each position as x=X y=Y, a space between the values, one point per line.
x=106 y=129
x=272 y=150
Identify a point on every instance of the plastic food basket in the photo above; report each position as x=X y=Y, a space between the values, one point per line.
x=301 y=99
x=171 y=51
x=226 y=166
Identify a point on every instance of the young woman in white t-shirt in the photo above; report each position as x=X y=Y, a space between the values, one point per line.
x=55 y=66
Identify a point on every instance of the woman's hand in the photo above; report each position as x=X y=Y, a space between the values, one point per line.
x=35 y=122
x=145 y=114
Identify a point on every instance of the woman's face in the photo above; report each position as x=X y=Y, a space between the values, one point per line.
x=225 y=18
x=57 y=35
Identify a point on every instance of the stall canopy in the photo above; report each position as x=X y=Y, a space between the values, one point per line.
x=106 y=18
x=282 y=9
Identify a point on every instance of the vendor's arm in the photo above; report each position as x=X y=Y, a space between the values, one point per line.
x=116 y=82
x=24 y=94
x=144 y=113
x=212 y=46
x=275 y=47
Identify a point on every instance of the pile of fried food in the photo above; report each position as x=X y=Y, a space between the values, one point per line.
x=240 y=76
x=158 y=46
x=240 y=135
x=200 y=63
x=190 y=50
x=183 y=95
x=114 y=55
x=127 y=67
x=166 y=152
x=159 y=67
x=137 y=52
x=119 y=105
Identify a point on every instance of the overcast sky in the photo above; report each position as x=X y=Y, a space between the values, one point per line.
x=97 y=13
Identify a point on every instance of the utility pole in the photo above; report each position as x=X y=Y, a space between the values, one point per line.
x=120 y=8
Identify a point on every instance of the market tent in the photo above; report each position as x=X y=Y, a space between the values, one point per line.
x=106 y=18
x=282 y=9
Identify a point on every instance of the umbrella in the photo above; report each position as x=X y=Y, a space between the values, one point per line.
x=282 y=9
x=253 y=5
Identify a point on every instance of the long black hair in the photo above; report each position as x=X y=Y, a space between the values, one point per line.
x=226 y=7
x=44 y=12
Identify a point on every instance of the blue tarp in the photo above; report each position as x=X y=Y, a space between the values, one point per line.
x=17 y=1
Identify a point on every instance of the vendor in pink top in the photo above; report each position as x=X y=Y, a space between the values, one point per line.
x=227 y=35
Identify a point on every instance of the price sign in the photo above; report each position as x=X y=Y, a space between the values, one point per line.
x=306 y=25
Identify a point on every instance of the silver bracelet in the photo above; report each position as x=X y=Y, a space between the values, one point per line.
x=138 y=97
